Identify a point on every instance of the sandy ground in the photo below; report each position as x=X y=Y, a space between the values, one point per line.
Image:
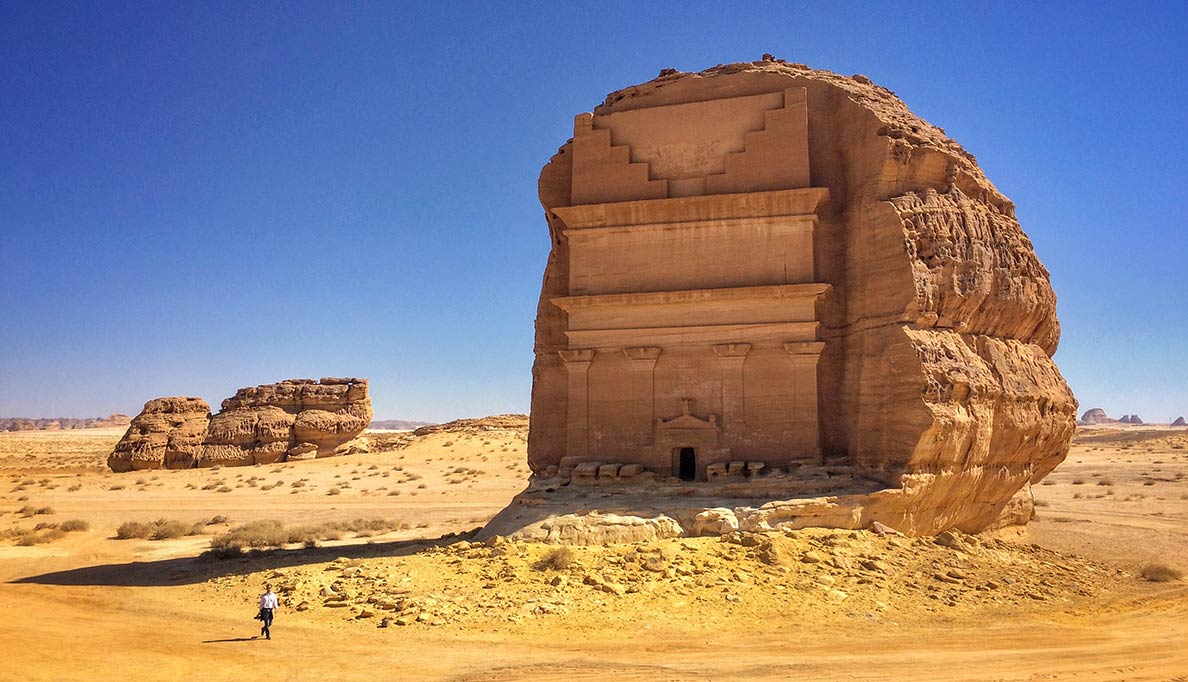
x=89 y=606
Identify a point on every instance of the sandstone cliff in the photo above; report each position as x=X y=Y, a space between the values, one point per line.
x=291 y=420
x=936 y=378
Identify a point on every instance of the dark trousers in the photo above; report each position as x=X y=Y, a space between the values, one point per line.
x=266 y=617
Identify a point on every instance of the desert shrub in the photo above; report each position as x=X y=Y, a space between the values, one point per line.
x=1078 y=481
x=1160 y=573
x=75 y=525
x=30 y=510
x=28 y=538
x=1043 y=503
x=1105 y=481
x=216 y=520
x=161 y=529
x=271 y=533
x=557 y=559
x=129 y=530
x=116 y=487
x=333 y=491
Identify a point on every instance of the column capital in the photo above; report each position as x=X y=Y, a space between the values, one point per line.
x=807 y=348
x=732 y=350
x=642 y=353
x=583 y=355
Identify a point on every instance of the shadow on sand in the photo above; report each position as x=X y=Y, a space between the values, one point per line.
x=232 y=639
x=190 y=570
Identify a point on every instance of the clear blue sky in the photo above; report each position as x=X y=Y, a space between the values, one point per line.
x=200 y=196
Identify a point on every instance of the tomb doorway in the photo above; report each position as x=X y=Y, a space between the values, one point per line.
x=687 y=464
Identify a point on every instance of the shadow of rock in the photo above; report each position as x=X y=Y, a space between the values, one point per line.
x=191 y=570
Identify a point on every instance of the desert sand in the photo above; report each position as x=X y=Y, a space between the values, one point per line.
x=1062 y=600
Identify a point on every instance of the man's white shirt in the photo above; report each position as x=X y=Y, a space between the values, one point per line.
x=268 y=600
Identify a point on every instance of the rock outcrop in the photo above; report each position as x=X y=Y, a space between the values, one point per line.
x=1096 y=415
x=292 y=420
x=167 y=433
x=1179 y=422
x=934 y=321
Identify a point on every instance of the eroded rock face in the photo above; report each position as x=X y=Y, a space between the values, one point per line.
x=291 y=420
x=933 y=319
x=167 y=433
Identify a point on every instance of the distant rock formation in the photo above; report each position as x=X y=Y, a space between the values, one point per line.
x=62 y=423
x=1179 y=422
x=1095 y=416
x=1130 y=419
x=398 y=424
x=292 y=420
x=496 y=422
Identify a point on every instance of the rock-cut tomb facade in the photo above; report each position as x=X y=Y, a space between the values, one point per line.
x=763 y=269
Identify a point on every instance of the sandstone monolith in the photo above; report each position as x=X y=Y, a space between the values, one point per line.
x=167 y=433
x=761 y=270
x=291 y=420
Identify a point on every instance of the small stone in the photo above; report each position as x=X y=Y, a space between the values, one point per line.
x=811 y=557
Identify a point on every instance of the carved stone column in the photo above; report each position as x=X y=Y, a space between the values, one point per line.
x=577 y=367
x=805 y=355
x=642 y=361
x=731 y=357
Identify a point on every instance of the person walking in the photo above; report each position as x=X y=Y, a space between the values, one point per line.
x=268 y=603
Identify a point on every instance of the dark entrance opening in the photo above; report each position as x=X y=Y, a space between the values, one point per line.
x=688 y=464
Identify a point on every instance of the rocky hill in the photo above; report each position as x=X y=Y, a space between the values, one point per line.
x=62 y=423
x=397 y=424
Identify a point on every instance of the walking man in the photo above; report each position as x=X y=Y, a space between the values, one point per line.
x=268 y=602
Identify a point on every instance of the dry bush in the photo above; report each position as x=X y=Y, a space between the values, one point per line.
x=1078 y=481
x=161 y=529
x=333 y=491
x=1160 y=573
x=28 y=538
x=270 y=533
x=557 y=559
x=75 y=525
x=30 y=510
x=1105 y=481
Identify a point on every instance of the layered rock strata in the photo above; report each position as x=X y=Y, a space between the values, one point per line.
x=808 y=216
x=292 y=420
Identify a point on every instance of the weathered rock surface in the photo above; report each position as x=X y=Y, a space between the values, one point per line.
x=291 y=420
x=1096 y=415
x=1179 y=422
x=936 y=378
x=167 y=433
